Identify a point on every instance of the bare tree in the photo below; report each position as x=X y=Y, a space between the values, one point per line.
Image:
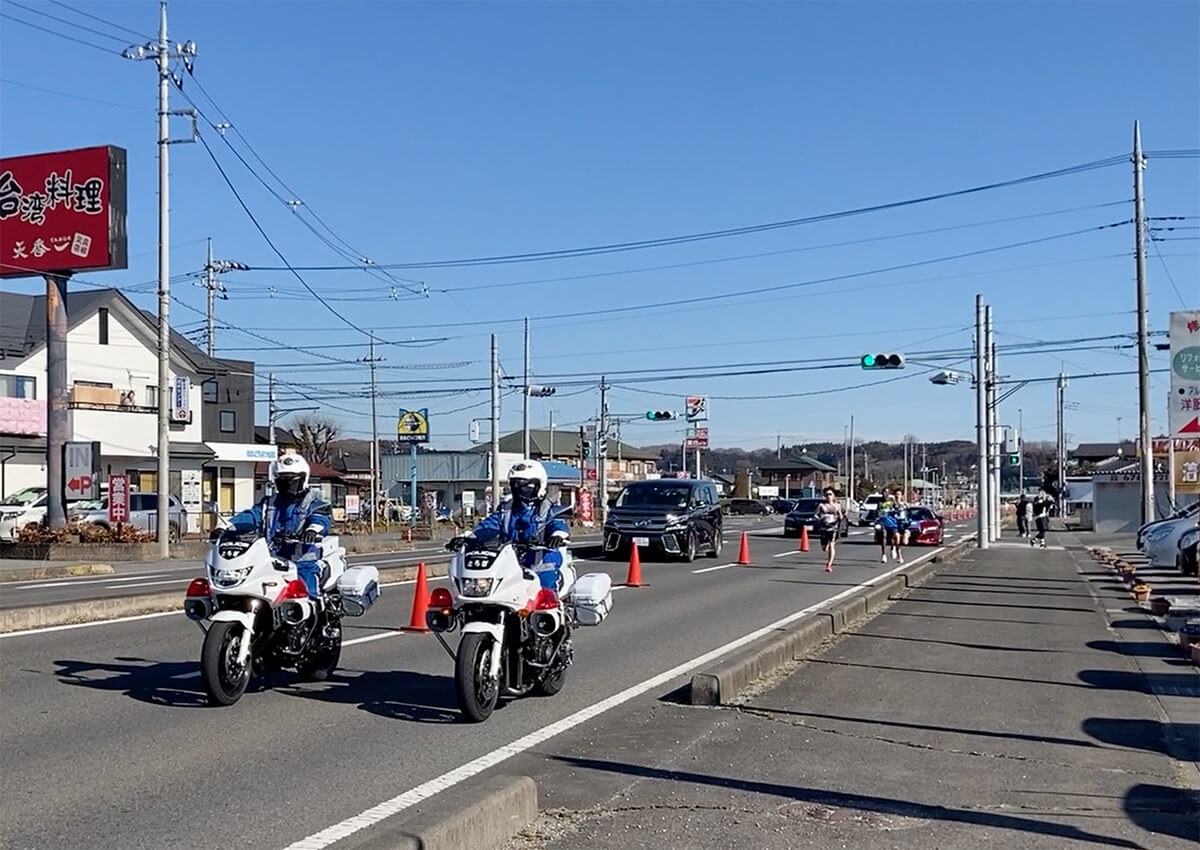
x=315 y=436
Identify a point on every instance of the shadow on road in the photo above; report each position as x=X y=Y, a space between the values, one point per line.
x=1165 y=810
x=991 y=647
x=395 y=694
x=1178 y=740
x=1141 y=649
x=861 y=802
x=168 y=683
x=1180 y=684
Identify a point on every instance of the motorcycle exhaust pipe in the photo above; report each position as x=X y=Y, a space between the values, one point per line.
x=546 y=623
x=295 y=611
x=198 y=609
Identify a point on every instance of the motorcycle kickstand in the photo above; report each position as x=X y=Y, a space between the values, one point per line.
x=453 y=655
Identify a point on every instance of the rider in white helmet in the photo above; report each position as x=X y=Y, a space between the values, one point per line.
x=526 y=518
x=296 y=519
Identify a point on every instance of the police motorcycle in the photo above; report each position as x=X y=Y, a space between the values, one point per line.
x=258 y=617
x=516 y=634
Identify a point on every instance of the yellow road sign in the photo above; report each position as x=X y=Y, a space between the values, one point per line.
x=413 y=426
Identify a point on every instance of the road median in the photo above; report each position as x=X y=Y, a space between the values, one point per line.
x=721 y=682
x=49 y=571
x=116 y=607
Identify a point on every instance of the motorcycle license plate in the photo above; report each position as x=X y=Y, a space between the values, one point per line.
x=641 y=541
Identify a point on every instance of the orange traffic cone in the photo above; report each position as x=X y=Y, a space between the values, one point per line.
x=744 y=554
x=804 y=538
x=420 y=603
x=635 y=569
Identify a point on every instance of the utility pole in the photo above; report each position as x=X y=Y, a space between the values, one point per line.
x=850 y=490
x=551 y=435
x=371 y=361
x=602 y=451
x=163 y=52
x=993 y=431
x=271 y=413
x=213 y=285
x=525 y=418
x=1061 y=439
x=495 y=423
x=58 y=420
x=1139 y=227
x=1020 y=452
x=981 y=473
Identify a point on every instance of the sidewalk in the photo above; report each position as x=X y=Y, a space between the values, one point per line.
x=992 y=707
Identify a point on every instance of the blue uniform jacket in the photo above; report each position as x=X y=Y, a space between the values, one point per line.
x=523 y=526
x=291 y=518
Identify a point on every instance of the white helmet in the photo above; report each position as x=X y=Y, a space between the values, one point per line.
x=527 y=480
x=290 y=474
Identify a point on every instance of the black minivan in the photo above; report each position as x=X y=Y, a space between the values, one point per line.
x=673 y=517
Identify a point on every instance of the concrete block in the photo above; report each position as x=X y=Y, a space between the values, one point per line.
x=877 y=596
x=848 y=610
x=477 y=814
x=723 y=681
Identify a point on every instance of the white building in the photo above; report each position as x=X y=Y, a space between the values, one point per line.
x=112 y=380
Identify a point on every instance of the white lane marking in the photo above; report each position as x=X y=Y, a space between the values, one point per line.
x=370 y=638
x=151 y=583
x=713 y=569
x=85 y=625
x=335 y=833
x=91 y=580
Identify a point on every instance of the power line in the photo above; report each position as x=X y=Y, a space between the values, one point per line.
x=110 y=51
x=91 y=30
x=739 y=231
x=1170 y=277
x=9 y=82
x=134 y=33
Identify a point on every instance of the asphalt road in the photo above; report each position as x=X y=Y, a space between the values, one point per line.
x=106 y=740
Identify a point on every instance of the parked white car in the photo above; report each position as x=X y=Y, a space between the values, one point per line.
x=19 y=510
x=1161 y=542
x=1190 y=511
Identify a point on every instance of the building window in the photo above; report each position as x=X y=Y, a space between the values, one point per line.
x=151 y=396
x=209 y=389
x=103 y=318
x=18 y=386
x=228 y=421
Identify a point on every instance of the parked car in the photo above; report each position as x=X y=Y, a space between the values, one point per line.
x=672 y=517
x=804 y=514
x=783 y=506
x=143 y=514
x=1186 y=559
x=1161 y=542
x=1190 y=510
x=926 y=527
x=868 y=509
x=748 y=507
x=22 y=508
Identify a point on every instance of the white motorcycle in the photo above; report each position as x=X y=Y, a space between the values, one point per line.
x=516 y=635
x=258 y=616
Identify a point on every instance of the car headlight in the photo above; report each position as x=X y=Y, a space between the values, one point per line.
x=476 y=587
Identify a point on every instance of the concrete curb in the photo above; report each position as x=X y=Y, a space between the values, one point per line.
x=112 y=608
x=725 y=679
x=56 y=571
x=479 y=815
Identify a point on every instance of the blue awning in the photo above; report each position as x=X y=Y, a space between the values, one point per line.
x=556 y=470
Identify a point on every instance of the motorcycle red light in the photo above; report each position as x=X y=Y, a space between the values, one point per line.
x=440 y=598
x=199 y=587
x=294 y=589
x=546 y=600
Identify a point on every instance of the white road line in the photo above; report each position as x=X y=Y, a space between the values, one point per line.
x=713 y=569
x=785 y=554
x=110 y=578
x=151 y=583
x=370 y=638
x=424 y=791
x=86 y=625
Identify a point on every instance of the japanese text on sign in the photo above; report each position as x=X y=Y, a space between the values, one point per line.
x=62 y=211
x=118 y=499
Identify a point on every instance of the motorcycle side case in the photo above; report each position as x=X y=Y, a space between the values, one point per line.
x=359 y=588
x=591 y=599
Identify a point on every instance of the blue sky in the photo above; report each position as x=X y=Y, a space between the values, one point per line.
x=424 y=132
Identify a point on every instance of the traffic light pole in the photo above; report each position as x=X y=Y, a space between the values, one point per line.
x=602 y=452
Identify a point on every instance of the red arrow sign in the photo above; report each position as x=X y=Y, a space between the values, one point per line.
x=80 y=484
x=1192 y=427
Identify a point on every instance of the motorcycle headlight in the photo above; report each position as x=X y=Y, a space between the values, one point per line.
x=228 y=578
x=475 y=587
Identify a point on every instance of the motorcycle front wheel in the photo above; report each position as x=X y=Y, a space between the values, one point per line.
x=477 y=696
x=224 y=680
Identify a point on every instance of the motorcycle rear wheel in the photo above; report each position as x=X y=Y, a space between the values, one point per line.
x=223 y=682
x=476 y=697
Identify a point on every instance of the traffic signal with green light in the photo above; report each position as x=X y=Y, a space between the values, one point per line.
x=1014 y=460
x=883 y=361
x=661 y=415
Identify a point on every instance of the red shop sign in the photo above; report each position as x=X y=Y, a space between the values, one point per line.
x=62 y=212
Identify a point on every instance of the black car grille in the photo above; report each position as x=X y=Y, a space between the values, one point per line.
x=638 y=525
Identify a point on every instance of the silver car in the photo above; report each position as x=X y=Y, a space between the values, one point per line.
x=143 y=514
